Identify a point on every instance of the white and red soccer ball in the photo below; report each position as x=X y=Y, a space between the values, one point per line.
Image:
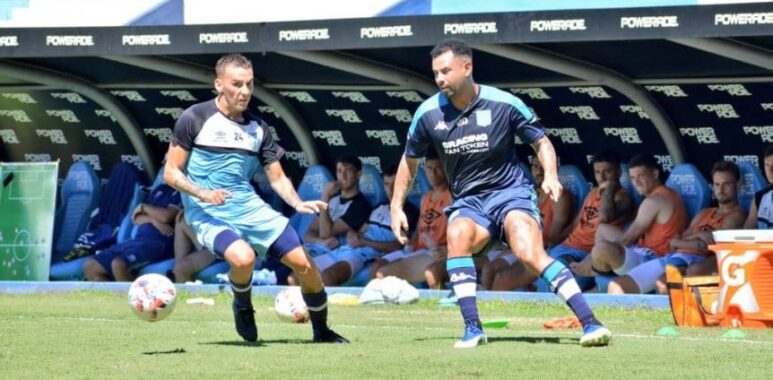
x=152 y=297
x=290 y=307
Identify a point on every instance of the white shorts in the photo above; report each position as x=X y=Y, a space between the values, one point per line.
x=646 y=275
x=400 y=255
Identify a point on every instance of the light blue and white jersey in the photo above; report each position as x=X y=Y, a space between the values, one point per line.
x=224 y=154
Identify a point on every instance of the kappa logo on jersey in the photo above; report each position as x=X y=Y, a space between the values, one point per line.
x=441 y=126
x=483 y=117
x=458 y=277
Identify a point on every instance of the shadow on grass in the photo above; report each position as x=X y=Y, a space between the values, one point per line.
x=169 y=352
x=260 y=343
x=518 y=339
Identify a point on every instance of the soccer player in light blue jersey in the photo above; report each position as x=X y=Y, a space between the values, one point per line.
x=215 y=149
x=472 y=128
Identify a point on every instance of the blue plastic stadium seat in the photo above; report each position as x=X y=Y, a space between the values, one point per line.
x=574 y=181
x=372 y=186
x=752 y=181
x=419 y=187
x=625 y=180
x=161 y=267
x=209 y=274
x=310 y=188
x=80 y=194
x=688 y=181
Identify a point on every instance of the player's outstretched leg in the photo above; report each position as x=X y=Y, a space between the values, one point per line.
x=563 y=284
x=241 y=257
x=314 y=294
x=461 y=271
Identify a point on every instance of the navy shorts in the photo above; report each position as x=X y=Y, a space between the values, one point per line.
x=136 y=253
x=286 y=242
x=490 y=208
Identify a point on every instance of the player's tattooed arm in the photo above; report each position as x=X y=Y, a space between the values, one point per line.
x=174 y=176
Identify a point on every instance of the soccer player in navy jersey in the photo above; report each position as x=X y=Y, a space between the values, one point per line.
x=473 y=128
x=215 y=149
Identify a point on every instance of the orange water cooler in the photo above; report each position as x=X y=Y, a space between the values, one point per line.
x=745 y=266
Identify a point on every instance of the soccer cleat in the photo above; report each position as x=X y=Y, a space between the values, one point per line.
x=473 y=337
x=595 y=335
x=329 y=336
x=244 y=316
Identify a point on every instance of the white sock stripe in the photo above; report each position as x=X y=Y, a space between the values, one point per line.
x=318 y=308
x=568 y=289
x=241 y=290
x=465 y=290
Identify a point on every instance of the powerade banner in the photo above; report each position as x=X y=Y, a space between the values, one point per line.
x=27 y=206
x=730 y=20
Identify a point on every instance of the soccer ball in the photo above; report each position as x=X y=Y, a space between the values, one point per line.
x=290 y=307
x=152 y=297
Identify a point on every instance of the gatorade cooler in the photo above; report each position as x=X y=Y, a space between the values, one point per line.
x=745 y=266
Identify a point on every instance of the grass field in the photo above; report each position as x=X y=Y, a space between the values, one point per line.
x=95 y=335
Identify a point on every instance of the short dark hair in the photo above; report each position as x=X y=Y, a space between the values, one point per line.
x=768 y=151
x=237 y=60
x=646 y=160
x=726 y=167
x=389 y=171
x=351 y=160
x=609 y=156
x=455 y=45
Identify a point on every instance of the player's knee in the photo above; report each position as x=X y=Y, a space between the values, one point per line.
x=92 y=269
x=119 y=265
x=605 y=250
x=182 y=269
x=241 y=259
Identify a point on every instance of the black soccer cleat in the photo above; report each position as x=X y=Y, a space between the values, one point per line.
x=244 y=316
x=329 y=336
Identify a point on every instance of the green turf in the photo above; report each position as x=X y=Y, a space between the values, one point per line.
x=94 y=335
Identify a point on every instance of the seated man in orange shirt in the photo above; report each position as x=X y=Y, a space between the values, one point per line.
x=429 y=241
x=504 y=272
x=660 y=218
x=691 y=247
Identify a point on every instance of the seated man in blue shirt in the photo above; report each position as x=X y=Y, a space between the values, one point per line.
x=153 y=242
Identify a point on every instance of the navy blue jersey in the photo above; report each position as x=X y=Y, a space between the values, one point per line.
x=162 y=196
x=476 y=145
